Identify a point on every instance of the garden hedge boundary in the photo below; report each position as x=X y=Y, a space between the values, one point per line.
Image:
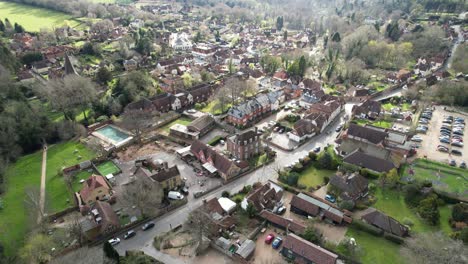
x=359 y=224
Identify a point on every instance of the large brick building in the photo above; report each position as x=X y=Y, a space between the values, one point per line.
x=246 y=145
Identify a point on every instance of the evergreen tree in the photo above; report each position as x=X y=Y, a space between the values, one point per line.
x=279 y=23
x=110 y=252
x=2 y=26
x=336 y=37
x=285 y=35
x=18 y=28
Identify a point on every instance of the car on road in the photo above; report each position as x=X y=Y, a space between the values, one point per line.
x=338 y=129
x=277 y=243
x=114 y=241
x=129 y=234
x=330 y=198
x=147 y=226
x=269 y=238
x=463 y=165
x=316 y=149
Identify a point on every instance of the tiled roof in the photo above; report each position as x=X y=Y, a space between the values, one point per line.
x=295 y=227
x=309 y=251
x=220 y=162
x=351 y=186
x=384 y=222
x=201 y=123
x=93 y=182
x=363 y=160
x=368 y=134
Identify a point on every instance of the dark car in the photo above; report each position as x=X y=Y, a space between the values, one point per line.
x=147 y=226
x=316 y=149
x=453 y=163
x=463 y=165
x=456 y=152
x=338 y=129
x=129 y=234
x=277 y=242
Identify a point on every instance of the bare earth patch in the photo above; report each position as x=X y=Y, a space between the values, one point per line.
x=134 y=151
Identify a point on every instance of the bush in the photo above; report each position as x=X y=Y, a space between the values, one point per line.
x=225 y=194
x=369 y=174
x=298 y=167
x=326 y=179
x=198 y=106
x=292 y=179
x=366 y=227
x=246 y=189
x=408 y=222
x=347 y=205
x=459 y=212
x=393 y=238
x=429 y=210
x=312 y=156
x=412 y=194
x=215 y=140
x=301 y=186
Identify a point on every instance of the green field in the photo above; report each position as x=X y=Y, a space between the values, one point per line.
x=311 y=177
x=392 y=203
x=182 y=120
x=34 y=18
x=212 y=108
x=442 y=176
x=374 y=250
x=107 y=168
x=26 y=172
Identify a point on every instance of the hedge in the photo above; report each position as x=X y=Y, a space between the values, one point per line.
x=215 y=140
x=359 y=224
x=393 y=238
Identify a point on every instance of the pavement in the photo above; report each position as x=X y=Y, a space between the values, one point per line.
x=144 y=239
x=43 y=184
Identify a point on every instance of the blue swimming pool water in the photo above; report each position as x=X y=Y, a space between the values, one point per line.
x=113 y=134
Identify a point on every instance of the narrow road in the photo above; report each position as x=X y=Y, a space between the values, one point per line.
x=43 y=183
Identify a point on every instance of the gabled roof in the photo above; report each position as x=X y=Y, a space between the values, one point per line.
x=360 y=159
x=304 y=127
x=312 y=84
x=368 y=134
x=213 y=206
x=164 y=175
x=308 y=250
x=295 y=227
x=220 y=162
x=107 y=213
x=384 y=222
x=201 y=123
x=92 y=183
x=351 y=185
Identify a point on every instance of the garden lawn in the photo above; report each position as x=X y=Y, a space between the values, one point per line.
x=393 y=204
x=58 y=156
x=181 y=120
x=82 y=175
x=375 y=250
x=311 y=177
x=107 y=168
x=34 y=18
x=380 y=123
x=389 y=106
x=450 y=179
x=211 y=108
x=53 y=115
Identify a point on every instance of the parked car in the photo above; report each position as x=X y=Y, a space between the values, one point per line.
x=442 y=149
x=416 y=138
x=330 y=198
x=269 y=238
x=185 y=190
x=281 y=210
x=463 y=165
x=114 y=241
x=453 y=163
x=277 y=243
x=147 y=226
x=456 y=152
x=175 y=195
x=447 y=141
x=458 y=133
x=316 y=149
x=338 y=129
x=129 y=234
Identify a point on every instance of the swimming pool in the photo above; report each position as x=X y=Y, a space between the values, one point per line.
x=113 y=135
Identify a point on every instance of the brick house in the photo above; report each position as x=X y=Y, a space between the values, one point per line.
x=95 y=188
x=314 y=206
x=102 y=220
x=245 y=146
x=299 y=250
x=168 y=177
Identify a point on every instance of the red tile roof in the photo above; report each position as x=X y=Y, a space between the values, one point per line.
x=93 y=182
x=295 y=227
x=308 y=251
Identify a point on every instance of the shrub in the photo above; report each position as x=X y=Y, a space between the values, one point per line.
x=198 y=106
x=301 y=186
x=298 y=167
x=325 y=161
x=293 y=178
x=215 y=140
x=347 y=205
x=366 y=227
x=312 y=156
x=326 y=179
x=412 y=194
x=393 y=238
x=311 y=234
x=225 y=194
x=246 y=189
x=238 y=200
x=459 y=212
x=408 y=221
x=305 y=161
x=429 y=210
x=1 y=204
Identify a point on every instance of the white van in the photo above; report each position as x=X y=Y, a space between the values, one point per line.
x=175 y=195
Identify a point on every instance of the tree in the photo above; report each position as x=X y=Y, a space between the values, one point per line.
x=199 y=224
x=285 y=35
x=69 y=94
x=90 y=49
x=187 y=80
x=19 y=28
x=145 y=195
x=37 y=249
x=110 y=252
x=325 y=161
x=217 y=36
x=2 y=26
x=198 y=37
x=393 y=31
x=434 y=248
x=331 y=60
x=293 y=178
x=460 y=212
x=136 y=120
x=279 y=23
x=428 y=209
x=144 y=46
x=412 y=194
x=311 y=234
x=31 y=57
x=76 y=231
x=251 y=210
x=392 y=177
x=103 y=75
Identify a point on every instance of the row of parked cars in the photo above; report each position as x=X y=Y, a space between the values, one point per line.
x=424 y=120
x=451 y=133
x=131 y=233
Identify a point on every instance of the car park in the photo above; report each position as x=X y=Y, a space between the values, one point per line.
x=269 y=238
x=277 y=243
x=147 y=226
x=129 y=234
x=114 y=241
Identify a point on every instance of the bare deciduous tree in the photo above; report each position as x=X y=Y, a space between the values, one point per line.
x=135 y=121
x=434 y=248
x=144 y=194
x=199 y=224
